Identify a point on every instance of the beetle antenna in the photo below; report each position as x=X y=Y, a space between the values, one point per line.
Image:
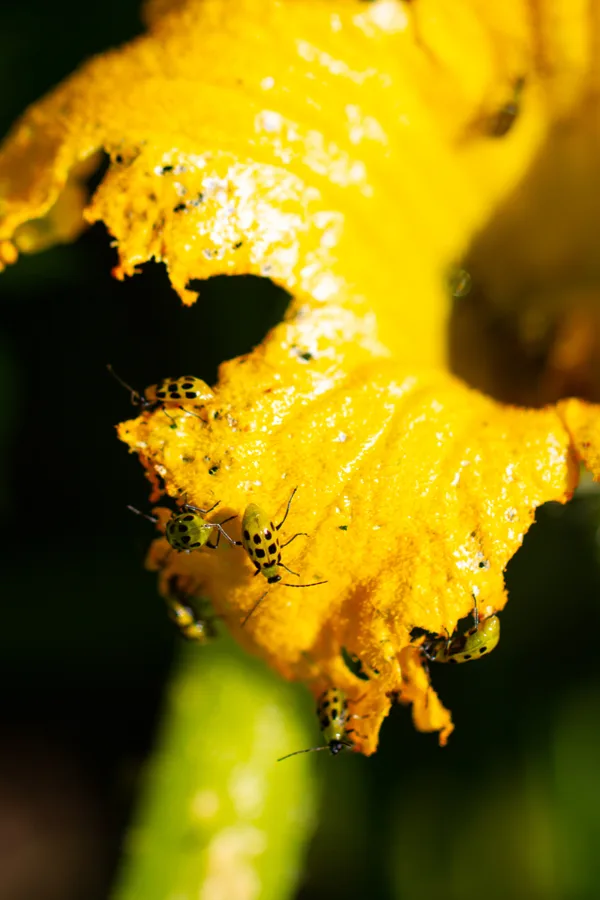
x=138 y=512
x=203 y=512
x=254 y=608
x=348 y=744
x=190 y=413
x=287 y=509
x=308 y=750
x=136 y=397
x=312 y=584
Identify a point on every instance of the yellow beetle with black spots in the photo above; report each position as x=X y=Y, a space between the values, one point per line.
x=176 y=393
x=194 y=626
x=333 y=715
x=260 y=540
x=478 y=641
x=187 y=530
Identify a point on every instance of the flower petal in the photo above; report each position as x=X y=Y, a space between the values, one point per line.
x=414 y=492
x=311 y=142
x=582 y=421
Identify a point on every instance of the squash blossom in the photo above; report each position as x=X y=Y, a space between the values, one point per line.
x=351 y=152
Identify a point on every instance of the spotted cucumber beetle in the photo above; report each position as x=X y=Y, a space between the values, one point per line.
x=179 y=393
x=260 y=540
x=482 y=638
x=502 y=122
x=192 y=626
x=332 y=712
x=187 y=530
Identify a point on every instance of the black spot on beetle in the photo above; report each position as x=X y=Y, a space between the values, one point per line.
x=273 y=549
x=188 y=518
x=162 y=395
x=187 y=386
x=267 y=535
x=354 y=664
x=190 y=395
x=467 y=656
x=482 y=650
x=246 y=535
x=257 y=538
x=260 y=552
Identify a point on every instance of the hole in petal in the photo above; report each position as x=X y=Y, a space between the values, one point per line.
x=235 y=312
x=157 y=337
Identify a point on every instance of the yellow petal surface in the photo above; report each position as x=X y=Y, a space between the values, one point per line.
x=342 y=148
x=582 y=421
x=414 y=492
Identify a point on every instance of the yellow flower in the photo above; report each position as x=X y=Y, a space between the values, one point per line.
x=350 y=152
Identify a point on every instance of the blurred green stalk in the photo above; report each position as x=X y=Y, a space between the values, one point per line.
x=219 y=817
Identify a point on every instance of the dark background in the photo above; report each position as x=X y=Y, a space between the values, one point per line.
x=510 y=807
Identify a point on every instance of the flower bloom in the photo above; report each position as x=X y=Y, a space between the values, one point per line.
x=348 y=151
